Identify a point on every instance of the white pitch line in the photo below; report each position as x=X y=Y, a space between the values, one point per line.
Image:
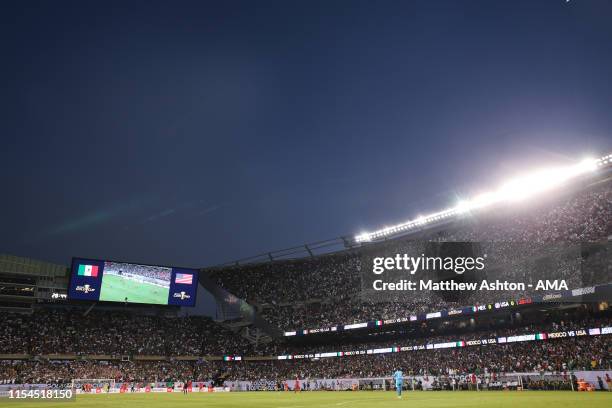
x=345 y=402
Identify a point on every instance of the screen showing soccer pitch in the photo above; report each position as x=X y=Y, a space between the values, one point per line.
x=111 y=281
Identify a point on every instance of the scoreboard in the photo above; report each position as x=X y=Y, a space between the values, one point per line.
x=111 y=281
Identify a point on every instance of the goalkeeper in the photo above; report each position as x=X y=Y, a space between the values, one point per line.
x=398 y=376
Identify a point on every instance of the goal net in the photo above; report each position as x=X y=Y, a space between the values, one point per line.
x=93 y=384
x=372 y=384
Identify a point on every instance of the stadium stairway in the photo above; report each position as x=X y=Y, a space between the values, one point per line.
x=244 y=328
x=238 y=315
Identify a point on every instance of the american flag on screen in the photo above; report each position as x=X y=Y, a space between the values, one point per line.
x=184 y=278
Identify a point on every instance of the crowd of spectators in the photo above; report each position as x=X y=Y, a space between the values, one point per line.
x=580 y=353
x=159 y=273
x=116 y=333
x=64 y=371
x=423 y=335
x=557 y=355
x=177 y=348
x=327 y=277
x=544 y=242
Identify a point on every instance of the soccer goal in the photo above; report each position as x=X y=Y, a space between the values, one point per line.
x=372 y=384
x=93 y=384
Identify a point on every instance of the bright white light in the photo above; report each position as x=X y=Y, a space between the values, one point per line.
x=517 y=189
x=462 y=207
x=483 y=200
x=363 y=237
x=526 y=186
x=588 y=164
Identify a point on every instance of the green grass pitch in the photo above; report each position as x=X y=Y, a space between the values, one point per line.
x=320 y=399
x=115 y=288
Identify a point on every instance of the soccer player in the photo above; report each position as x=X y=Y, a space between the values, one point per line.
x=296 y=387
x=398 y=376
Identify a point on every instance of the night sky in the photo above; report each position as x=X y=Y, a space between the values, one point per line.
x=194 y=133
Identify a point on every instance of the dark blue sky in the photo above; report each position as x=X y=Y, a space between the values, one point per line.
x=194 y=133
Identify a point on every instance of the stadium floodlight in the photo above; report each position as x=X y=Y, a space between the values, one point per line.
x=463 y=206
x=517 y=189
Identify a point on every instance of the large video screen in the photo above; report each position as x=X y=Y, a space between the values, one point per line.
x=111 y=281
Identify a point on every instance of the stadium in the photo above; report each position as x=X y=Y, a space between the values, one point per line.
x=275 y=332
x=154 y=139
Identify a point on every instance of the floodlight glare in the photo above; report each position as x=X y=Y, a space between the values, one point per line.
x=462 y=207
x=516 y=189
x=589 y=164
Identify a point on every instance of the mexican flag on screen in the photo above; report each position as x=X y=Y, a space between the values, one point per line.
x=88 y=270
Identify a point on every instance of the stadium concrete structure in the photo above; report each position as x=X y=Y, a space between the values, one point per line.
x=300 y=315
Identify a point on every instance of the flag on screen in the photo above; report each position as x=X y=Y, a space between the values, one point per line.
x=88 y=270
x=184 y=278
